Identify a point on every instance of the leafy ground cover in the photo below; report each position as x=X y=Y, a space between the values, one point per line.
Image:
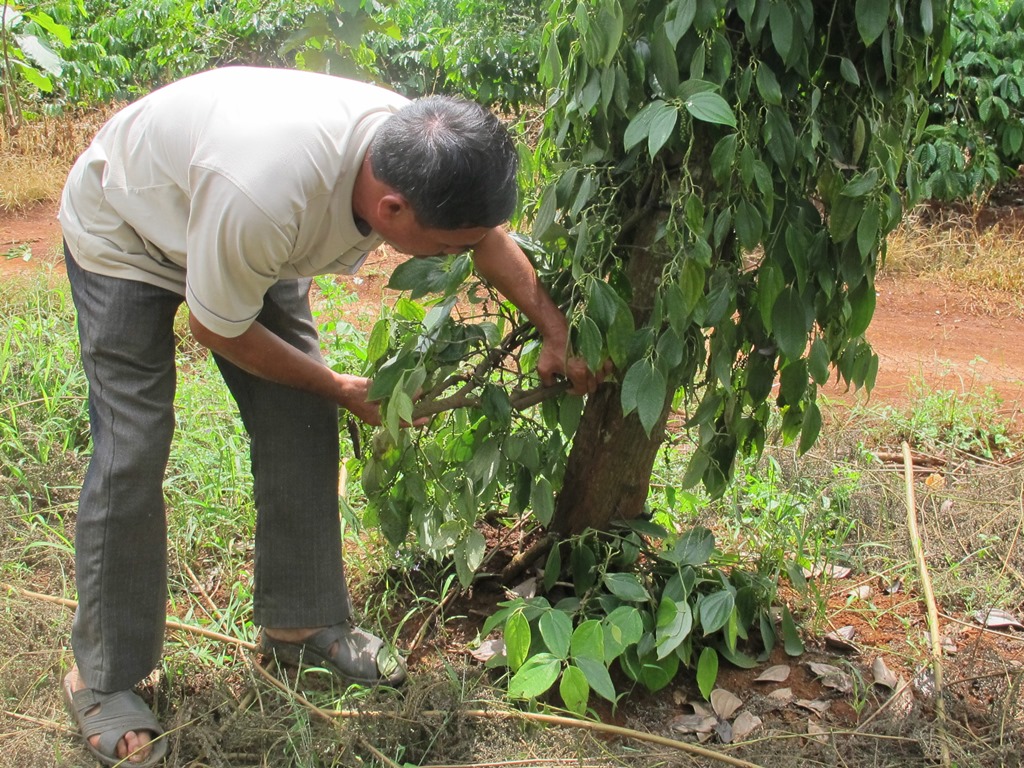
x=859 y=694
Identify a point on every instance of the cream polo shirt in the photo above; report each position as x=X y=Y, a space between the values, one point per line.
x=223 y=183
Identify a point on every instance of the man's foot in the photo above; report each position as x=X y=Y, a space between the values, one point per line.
x=118 y=727
x=351 y=653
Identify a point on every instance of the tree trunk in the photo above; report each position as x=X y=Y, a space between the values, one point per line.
x=608 y=473
x=609 y=469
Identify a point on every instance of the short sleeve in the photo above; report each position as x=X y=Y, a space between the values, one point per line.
x=235 y=254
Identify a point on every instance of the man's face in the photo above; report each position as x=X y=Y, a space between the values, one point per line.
x=408 y=236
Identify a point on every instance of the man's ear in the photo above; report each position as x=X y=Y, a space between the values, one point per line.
x=392 y=206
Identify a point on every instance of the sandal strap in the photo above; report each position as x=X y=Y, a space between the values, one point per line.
x=357 y=654
x=119 y=713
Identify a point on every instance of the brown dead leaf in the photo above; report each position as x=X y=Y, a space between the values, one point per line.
x=832 y=677
x=487 y=650
x=744 y=725
x=842 y=639
x=693 y=723
x=776 y=674
x=784 y=695
x=816 y=732
x=883 y=676
x=863 y=592
x=818 y=706
x=995 y=618
x=725 y=703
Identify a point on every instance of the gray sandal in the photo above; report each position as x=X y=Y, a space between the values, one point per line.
x=357 y=657
x=110 y=716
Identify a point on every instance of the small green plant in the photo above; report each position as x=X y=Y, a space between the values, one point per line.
x=945 y=420
x=643 y=601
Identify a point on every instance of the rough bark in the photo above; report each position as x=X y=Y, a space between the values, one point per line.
x=608 y=472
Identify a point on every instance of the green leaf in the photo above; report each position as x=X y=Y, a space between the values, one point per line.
x=862 y=306
x=849 y=72
x=789 y=323
x=589 y=342
x=810 y=429
x=662 y=125
x=545 y=219
x=709 y=107
x=556 y=631
x=542 y=499
x=639 y=127
x=722 y=158
x=868 y=230
x=34 y=76
x=781 y=20
x=626 y=586
x=597 y=676
x=377 y=346
x=536 y=675
x=715 y=609
x=707 y=671
x=574 y=690
x=678 y=18
x=872 y=18
x=588 y=642
x=790 y=636
x=818 y=361
x=623 y=627
x=602 y=304
x=768 y=85
x=674 y=622
x=694 y=547
x=517 y=640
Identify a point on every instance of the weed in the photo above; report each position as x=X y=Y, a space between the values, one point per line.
x=946 y=421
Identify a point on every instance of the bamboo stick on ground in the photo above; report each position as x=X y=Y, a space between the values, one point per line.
x=929 y=599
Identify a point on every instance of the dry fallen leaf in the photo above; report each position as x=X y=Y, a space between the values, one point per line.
x=776 y=674
x=827 y=569
x=527 y=589
x=745 y=724
x=700 y=709
x=724 y=731
x=842 y=639
x=816 y=732
x=818 y=706
x=724 y=703
x=863 y=592
x=997 y=618
x=935 y=480
x=883 y=676
x=832 y=677
x=782 y=694
x=488 y=649
x=693 y=723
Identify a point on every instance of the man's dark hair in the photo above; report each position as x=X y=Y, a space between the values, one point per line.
x=451 y=159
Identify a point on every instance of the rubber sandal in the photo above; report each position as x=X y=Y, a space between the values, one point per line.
x=358 y=657
x=110 y=716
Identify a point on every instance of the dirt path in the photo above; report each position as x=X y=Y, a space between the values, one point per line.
x=921 y=332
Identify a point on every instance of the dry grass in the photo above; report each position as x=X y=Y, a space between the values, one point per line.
x=982 y=256
x=35 y=161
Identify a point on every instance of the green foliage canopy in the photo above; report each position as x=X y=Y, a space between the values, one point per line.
x=721 y=178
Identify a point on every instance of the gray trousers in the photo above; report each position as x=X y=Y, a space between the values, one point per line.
x=128 y=351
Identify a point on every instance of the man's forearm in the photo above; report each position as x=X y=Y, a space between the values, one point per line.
x=503 y=264
x=264 y=354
